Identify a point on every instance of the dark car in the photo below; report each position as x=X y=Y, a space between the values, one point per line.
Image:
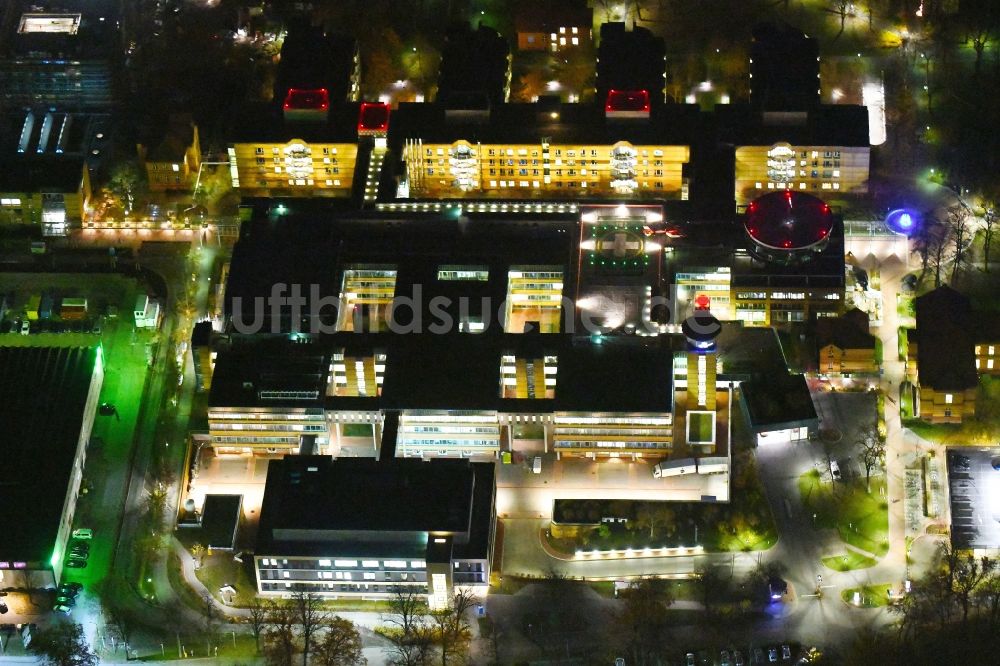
x=65 y=601
x=69 y=589
x=75 y=563
x=962 y=462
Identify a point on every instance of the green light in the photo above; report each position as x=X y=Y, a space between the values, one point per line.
x=99 y=362
x=54 y=560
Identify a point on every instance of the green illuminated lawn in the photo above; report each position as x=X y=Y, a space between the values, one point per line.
x=872 y=596
x=861 y=519
x=701 y=426
x=849 y=561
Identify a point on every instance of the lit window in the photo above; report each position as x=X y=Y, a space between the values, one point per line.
x=991 y=350
x=576 y=30
x=948 y=398
x=989 y=364
x=324 y=563
x=562 y=31
x=175 y=167
x=758 y=185
x=575 y=40
x=979 y=349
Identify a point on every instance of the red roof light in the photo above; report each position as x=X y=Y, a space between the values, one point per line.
x=373 y=117
x=307 y=99
x=627 y=100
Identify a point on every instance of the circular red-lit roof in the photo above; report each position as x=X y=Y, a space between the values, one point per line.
x=788 y=220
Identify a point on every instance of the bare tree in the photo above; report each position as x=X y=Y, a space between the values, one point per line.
x=989 y=223
x=641 y=626
x=280 y=642
x=961 y=232
x=407 y=610
x=258 y=618
x=841 y=8
x=967 y=575
x=340 y=644
x=872 y=452
x=453 y=630
x=311 y=617
x=209 y=613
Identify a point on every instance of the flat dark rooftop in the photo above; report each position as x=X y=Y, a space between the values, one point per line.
x=945 y=356
x=43 y=396
x=365 y=501
x=220 y=520
x=676 y=124
x=258 y=375
x=778 y=401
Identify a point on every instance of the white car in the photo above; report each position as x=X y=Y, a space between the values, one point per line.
x=83 y=533
x=835 y=470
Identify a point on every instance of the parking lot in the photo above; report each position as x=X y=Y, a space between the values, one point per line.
x=974 y=482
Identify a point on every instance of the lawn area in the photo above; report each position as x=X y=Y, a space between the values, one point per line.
x=872 y=596
x=220 y=568
x=701 y=426
x=239 y=648
x=357 y=430
x=861 y=519
x=849 y=561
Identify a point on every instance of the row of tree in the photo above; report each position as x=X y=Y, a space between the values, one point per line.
x=284 y=630
x=421 y=636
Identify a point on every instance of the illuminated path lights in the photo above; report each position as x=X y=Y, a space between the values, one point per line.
x=638 y=553
x=902 y=221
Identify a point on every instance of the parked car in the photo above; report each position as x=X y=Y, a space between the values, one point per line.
x=83 y=533
x=69 y=589
x=757 y=656
x=79 y=554
x=65 y=601
x=724 y=658
x=62 y=608
x=772 y=655
x=962 y=463
x=689 y=659
x=786 y=653
x=835 y=470
x=25 y=327
x=738 y=658
x=76 y=563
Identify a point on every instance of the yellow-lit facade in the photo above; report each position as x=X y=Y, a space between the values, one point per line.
x=824 y=171
x=835 y=360
x=533 y=378
x=534 y=295
x=366 y=294
x=772 y=306
x=356 y=375
x=293 y=169
x=543 y=170
x=613 y=435
x=988 y=358
x=53 y=211
x=946 y=407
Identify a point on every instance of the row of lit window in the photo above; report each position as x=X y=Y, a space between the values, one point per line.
x=10 y=202
x=989 y=364
x=791 y=186
x=275 y=151
x=350 y=564
x=989 y=350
